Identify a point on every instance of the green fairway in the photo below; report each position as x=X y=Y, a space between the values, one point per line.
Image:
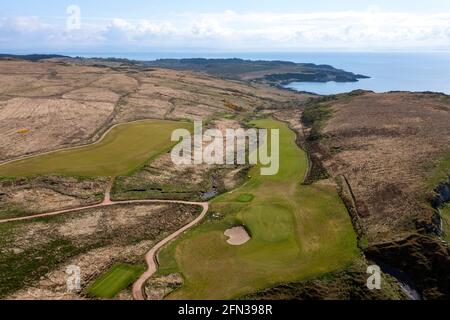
x=115 y=280
x=297 y=232
x=123 y=149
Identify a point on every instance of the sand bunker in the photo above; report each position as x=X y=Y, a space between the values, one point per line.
x=237 y=236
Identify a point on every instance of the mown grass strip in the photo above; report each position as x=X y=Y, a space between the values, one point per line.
x=118 y=278
x=123 y=149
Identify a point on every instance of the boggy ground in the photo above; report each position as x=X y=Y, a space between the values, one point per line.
x=391 y=149
x=34 y=255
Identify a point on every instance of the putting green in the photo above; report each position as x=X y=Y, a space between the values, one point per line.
x=121 y=151
x=115 y=280
x=245 y=198
x=297 y=232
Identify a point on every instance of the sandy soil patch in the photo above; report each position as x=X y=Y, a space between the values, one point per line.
x=237 y=236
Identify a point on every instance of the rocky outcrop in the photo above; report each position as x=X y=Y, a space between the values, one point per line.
x=423 y=258
x=442 y=194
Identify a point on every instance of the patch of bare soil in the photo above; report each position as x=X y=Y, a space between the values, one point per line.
x=237 y=236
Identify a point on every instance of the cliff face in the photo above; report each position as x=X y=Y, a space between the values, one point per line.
x=442 y=194
x=423 y=258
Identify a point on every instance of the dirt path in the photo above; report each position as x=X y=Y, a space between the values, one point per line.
x=150 y=257
x=101 y=205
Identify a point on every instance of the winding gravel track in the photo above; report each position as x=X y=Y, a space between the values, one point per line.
x=151 y=257
x=138 y=292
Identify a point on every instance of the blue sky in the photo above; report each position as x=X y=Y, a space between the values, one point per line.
x=244 y=25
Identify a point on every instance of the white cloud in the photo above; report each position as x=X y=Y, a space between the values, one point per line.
x=369 y=29
x=23 y=25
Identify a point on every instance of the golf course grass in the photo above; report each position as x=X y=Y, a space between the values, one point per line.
x=121 y=151
x=245 y=198
x=297 y=231
x=115 y=280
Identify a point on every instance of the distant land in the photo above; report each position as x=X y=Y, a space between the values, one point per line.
x=276 y=73
x=31 y=57
x=273 y=72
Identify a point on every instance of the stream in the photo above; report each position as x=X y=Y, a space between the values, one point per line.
x=405 y=282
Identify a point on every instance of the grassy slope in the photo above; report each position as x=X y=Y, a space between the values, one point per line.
x=441 y=172
x=297 y=232
x=445 y=214
x=115 y=280
x=124 y=148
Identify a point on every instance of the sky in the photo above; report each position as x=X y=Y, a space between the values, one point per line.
x=29 y=26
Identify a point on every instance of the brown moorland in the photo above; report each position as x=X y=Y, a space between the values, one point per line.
x=48 y=105
x=387 y=147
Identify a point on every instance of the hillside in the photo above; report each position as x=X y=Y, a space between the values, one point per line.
x=389 y=152
x=275 y=73
x=376 y=169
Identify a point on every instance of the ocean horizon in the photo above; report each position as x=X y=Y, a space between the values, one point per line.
x=393 y=71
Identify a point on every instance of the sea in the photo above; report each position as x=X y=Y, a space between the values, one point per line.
x=393 y=71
